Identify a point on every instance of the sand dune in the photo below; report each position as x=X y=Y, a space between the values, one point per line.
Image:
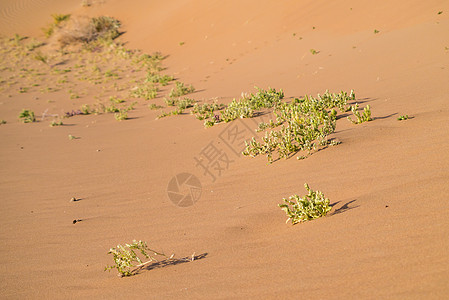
x=386 y=236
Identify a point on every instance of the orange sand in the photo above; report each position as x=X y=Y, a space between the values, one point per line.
x=388 y=179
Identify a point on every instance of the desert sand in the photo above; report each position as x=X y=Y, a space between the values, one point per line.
x=387 y=234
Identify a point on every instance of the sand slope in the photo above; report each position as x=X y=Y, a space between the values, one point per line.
x=387 y=234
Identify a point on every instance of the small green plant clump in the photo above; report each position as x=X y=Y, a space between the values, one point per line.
x=175 y=112
x=180 y=89
x=121 y=115
x=153 y=106
x=2 y=122
x=312 y=206
x=145 y=91
x=360 y=118
x=206 y=111
x=248 y=105
x=314 y=52
x=126 y=260
x=57 y=20
x=90 y=31
x=72 y=137
x=56 y=123
x=157 y=78
x=27 y=116
x=41 y=57
x=403 y=117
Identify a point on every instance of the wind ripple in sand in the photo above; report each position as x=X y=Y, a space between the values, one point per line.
x=18 y=15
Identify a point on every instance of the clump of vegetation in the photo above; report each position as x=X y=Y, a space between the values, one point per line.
x=57 y=20
x=180 y=103
x=248 y=105
x=41 y=57
x=205 y=111
x=2 y=122
x=302 y=125
x=176 y=111
x=153 y=106
x=85 y=111
x=157 y=78
x=27 y=116
x=403 y=117
x=313 y=51
x=86 y=30
x=145 y=91
x=121 y=115
x=180 y=89
x=312 y=206
x=360 y=118
x=127 y=262
x=376 y=31
x=56 y=123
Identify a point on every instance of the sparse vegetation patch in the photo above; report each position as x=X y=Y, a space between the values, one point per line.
x=311 y=206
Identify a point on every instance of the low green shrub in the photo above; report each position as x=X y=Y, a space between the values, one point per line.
x=360 y=118
x=312 y=206
x=27 y=116
x=126 y=260
x=180 y=89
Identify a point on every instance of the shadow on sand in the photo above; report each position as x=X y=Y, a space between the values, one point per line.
x=343 y=208
x=169 y=262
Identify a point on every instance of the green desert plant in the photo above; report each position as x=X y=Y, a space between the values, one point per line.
x=27 y=116
x=17 y=39
x=205 y=111
x=180 y=89
x=121 y=115
x=177 y=111
x=83 y=29
x=57 y=20
x=403 y=117
x=170 y=101
x=209 y=123
x=85 y=109
x=106 y=28
x=237 y=109
x=116 y=100
x=360 y=118
x=153 y=106
x=302 y=125
x=248 y=105
x=72 y=137
x=163 y=115
x=157 y=78
x=313 y=51
x=146 y=91
x=2 y=122
x=126 y=260
x=312 y=206
x=33 y=45
x=56 y=123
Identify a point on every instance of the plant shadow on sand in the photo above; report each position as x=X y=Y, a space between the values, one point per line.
x=170 y=262
x=343 y=208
